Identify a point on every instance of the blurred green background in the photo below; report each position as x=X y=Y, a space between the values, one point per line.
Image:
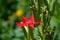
x=12 y=11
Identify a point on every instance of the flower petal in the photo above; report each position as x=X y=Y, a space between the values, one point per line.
x=24 y=19
x=19 y=24
x=31 y=25
x=25 y=24
x=38 y=22
x=32 y=17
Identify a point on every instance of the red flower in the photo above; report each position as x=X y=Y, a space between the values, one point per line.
x=26 y=22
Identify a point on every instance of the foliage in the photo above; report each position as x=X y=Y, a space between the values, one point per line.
x=47 y=11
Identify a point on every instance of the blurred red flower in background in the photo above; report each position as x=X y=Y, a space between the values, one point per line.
x=28 y=22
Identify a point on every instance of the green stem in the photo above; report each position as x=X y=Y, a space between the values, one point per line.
x=33 y=9
x=40 y=34
x=46 y=3
x=26 y=33
x=31 y=33
x=39 y=10
x=53 y=7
